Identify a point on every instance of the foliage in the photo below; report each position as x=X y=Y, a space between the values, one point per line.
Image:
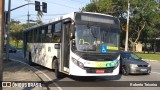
x=16 y=31
x=29 y=25
x=142 y=19
x=39 y=17
x=141 y=25
x=102 y=6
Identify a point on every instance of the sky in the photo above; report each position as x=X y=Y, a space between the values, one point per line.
x=55 y=8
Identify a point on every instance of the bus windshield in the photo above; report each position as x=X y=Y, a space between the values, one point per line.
x=96 y=37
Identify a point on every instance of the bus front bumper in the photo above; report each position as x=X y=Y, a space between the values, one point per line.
x=77 y=71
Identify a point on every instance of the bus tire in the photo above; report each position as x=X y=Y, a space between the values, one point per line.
x=125 y=71
x=58 y=74
x=30 y=59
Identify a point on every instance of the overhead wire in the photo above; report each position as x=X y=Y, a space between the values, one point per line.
x=54 y=4
x=60 y=4
x=78 y=1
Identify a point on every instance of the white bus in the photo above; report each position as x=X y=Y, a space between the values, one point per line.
x=79 y=44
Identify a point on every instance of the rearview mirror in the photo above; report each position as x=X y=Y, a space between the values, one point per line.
x=57 y=46
x=72 y=36
x=68 y=20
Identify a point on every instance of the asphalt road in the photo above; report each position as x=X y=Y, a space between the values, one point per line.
x=98 y=83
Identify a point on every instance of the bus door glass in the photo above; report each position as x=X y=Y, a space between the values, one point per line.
x=66 y=44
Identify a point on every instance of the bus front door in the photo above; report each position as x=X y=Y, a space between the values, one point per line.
x=65 y=47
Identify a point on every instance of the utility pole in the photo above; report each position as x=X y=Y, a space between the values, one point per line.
x=127 y=26
x=28 y=15
x=1 y=39
x=8 y=30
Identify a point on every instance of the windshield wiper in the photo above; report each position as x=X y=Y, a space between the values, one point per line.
x=95 y=37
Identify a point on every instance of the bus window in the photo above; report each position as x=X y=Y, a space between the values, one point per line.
x=38 y=35
x=35 y=35
x=31 y=36
x=58 y=27
x=56 y=30
x=49 y=33
x=43 y=34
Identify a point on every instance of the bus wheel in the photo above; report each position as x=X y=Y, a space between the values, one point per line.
x=30 y=59
x=125 y=71
x=56 y=67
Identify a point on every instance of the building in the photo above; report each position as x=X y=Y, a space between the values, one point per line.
x=158 y=1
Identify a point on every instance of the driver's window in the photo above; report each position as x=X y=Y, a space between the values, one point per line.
x=125 y=56
x=134 y=56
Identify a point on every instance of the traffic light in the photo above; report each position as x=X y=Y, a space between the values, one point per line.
x=44 y=7
x=37 y=6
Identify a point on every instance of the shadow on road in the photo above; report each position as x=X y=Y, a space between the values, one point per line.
x=94 y=78
x=12 y=66
x=81 y=81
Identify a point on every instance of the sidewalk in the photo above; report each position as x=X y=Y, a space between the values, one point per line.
x=16 y=71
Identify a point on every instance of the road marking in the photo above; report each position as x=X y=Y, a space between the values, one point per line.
x=155 y=72
x=40 y=72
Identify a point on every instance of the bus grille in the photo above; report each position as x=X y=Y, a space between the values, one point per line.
x=93 y=70
x=142 y=65
x=99 y=57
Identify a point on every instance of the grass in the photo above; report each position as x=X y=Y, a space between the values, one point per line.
x=149 y=56
x=20 y=45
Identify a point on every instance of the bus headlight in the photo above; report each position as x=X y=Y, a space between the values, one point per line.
x=78 y=63
x=116 y=63
x=74 y=61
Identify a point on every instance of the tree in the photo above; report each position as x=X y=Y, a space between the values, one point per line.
x=39 y=17
x=16 y=31
x=141 y=12
x=29 y=25
x=100 y=6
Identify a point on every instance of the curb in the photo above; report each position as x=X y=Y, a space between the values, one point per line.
x=56 y=85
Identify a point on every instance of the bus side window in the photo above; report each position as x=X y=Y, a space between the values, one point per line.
x=58 y=27
x=31 y=36
x=35 y=35
x=49 y=33
x=43 y=34
x=57 y=32
x=38 y=35
x=28 y=36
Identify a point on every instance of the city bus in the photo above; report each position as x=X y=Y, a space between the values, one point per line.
x=78 y=44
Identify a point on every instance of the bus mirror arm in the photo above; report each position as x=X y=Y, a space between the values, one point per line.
x=57 y=46
x=68 y=20
x=72 y=32
x=72 y=36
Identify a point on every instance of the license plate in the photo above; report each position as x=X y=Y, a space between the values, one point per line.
x=99 y=71
x=143 y=69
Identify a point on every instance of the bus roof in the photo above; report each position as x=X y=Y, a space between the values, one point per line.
x=70 y=15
